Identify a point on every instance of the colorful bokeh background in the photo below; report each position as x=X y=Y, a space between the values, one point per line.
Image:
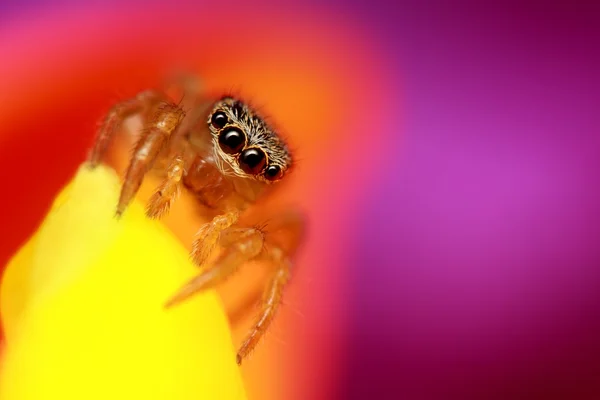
x=449 y=167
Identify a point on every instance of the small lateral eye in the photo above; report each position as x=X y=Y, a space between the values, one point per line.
x=273 y=172
x=219 y=119
x=252 y=161
x=232 y=140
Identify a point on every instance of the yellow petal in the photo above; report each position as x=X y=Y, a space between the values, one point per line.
x=82 y=309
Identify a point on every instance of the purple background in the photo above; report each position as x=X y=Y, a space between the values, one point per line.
x=477 y=270
x=475 y=260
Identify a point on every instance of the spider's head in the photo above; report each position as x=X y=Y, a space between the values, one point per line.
x=249 y=147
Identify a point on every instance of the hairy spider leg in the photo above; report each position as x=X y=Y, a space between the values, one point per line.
x=140 y=104
x=280 y=257
x=270 y=303
x=152 y=141
x=240 y=246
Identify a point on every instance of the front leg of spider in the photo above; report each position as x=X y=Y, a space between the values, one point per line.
x=140 y=104
x=153 y=140
x=240 y=245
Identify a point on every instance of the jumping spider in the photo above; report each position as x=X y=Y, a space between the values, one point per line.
x=227 y=156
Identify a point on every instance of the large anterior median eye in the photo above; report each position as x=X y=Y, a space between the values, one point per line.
x=232 y=140
x=252 y=161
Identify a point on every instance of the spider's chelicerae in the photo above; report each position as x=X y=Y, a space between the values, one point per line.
x=227 y=156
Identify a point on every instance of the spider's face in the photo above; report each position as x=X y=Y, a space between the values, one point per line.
x=246 y=143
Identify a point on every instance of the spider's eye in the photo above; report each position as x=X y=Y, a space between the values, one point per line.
x=232 y=141
x=219 y=119
x=252 y=161
x=273 y=172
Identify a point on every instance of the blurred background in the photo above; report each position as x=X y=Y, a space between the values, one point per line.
x=449 y=168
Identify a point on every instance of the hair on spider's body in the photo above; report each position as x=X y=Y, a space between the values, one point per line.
x=228 y=155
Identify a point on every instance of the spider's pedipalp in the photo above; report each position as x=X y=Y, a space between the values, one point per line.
x=163 y=197
x=208 y=236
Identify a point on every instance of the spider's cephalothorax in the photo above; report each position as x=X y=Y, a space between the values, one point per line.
x=248 y=145
x=226 y=161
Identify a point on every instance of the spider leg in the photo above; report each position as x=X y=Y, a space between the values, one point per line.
x=270 y=303
x=286 y=233
x=153 y=140
x=115 y=117
x=162 y=199
x=208 y=236
x=240 y=246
